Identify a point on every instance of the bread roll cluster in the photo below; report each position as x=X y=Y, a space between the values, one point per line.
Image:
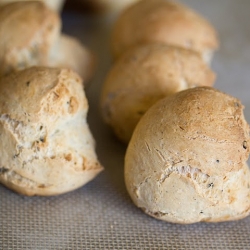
x=142 y=76
x=187 y=159
x=161 y=47
x=188 y=143
x=46 y=147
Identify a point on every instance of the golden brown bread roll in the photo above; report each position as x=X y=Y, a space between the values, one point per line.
x=186 y=161
x=142 y=76
x=46 y=147
x=163 y=21
x=30 y=36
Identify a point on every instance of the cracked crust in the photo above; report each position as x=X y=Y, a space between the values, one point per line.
x=30 y=36
x=163 y=21
x=186 y=161
x=142 y=76
x=46 y=145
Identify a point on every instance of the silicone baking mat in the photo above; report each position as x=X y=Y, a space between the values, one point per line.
x=101 y=215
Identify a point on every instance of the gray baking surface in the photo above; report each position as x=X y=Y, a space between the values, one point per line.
x=101 y=215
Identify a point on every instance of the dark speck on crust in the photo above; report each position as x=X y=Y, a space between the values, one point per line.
x=3 y=170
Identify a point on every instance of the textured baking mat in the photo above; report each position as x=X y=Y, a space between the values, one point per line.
x=101 y=215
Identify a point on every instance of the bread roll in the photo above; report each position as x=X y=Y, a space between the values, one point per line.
x=46 y=147
x=186 y=161
x=30 y=36
x=163 y=21
x=55 y=5
x=69 y=52
x=143 y=75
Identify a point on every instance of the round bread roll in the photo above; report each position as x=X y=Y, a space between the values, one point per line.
x=46 y=147
x=143 y=75
x=186 y=161
x=163 y=21
x=55 y=5
x=30 y=36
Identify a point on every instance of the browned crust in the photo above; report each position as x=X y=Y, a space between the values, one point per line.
x=46 y=145
x=142 y=76
x=162 y=21
x=186 y=161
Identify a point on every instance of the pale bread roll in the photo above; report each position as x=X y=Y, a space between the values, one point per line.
x=163 y=21
x=143 y=75
x=46 y=147
x=30 y=36
x=69 y=52
x=186 y=161
x=55 y=5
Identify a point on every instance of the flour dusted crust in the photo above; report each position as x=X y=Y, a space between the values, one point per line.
x=30 y=36
x=163 y=21
x=55 y=5
x=186 y=161
x=46 y=145
x=143 y=75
